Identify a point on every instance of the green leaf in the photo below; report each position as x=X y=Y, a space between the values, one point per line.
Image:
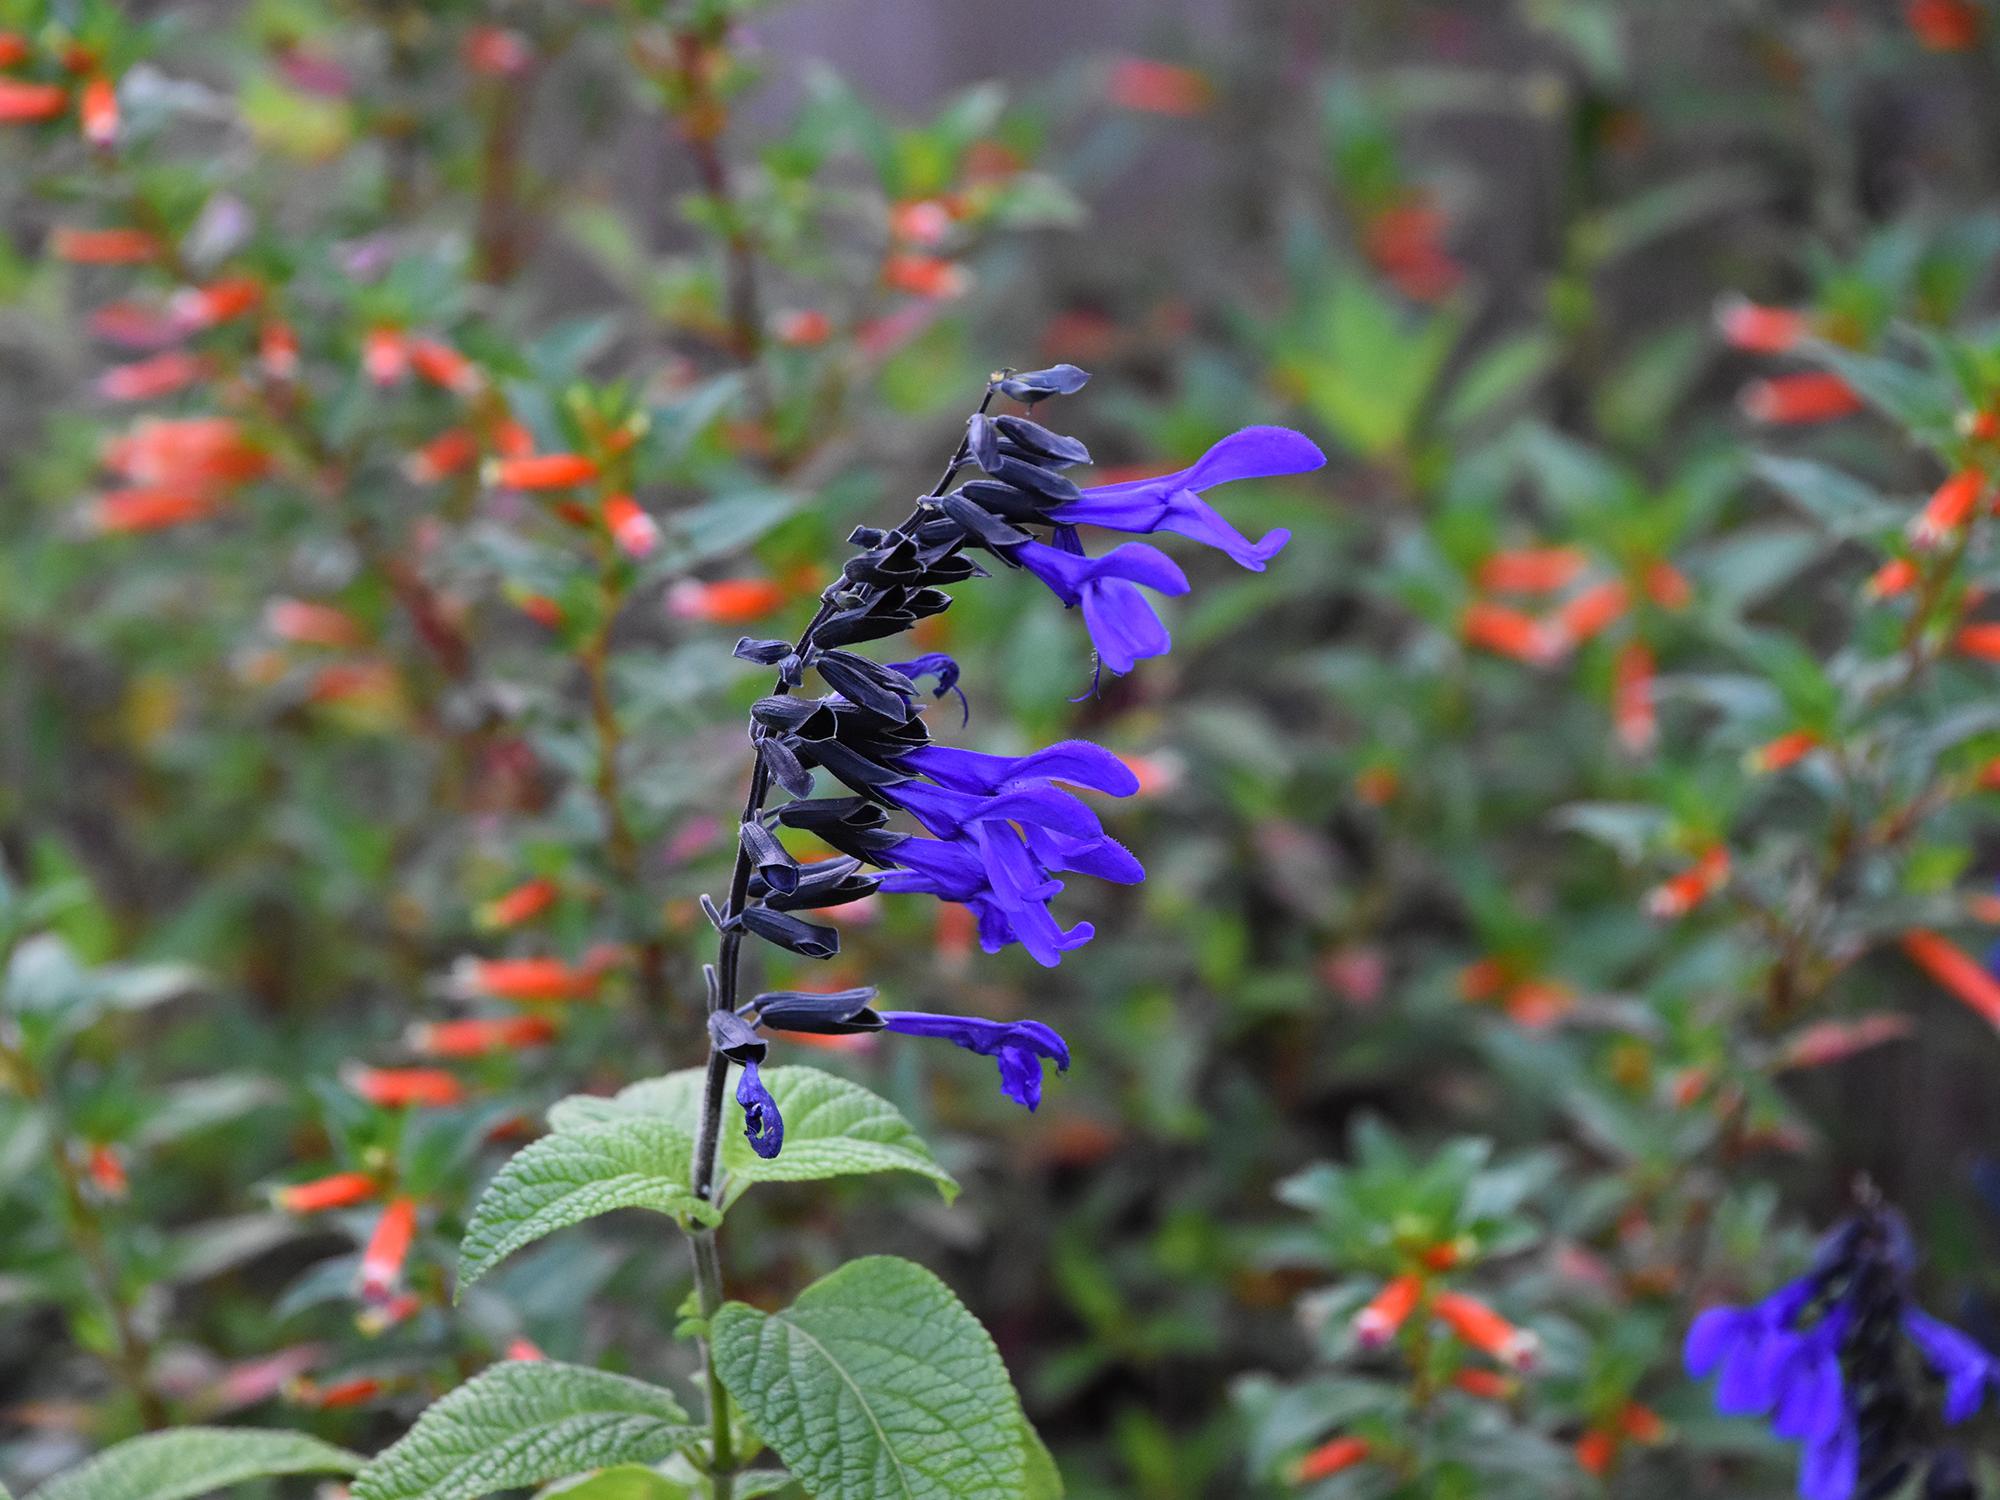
x=1044 y=1478
x=625 y=1482
x=1843 y=504
x=877 y=1384
x=638 y=1161
x=192 y=1461
x=833 y=1128
x=524 y=1422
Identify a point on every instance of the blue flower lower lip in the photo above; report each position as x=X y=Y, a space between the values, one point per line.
x=1018 y=1046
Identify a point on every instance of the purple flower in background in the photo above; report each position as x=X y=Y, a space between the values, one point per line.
x=1804 y=1355
x=1173 y=502
x=1018 y=1046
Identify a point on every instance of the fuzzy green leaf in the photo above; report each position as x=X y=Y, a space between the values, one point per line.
x=833 y=1128
x=525 y=1422
x=638 y=1161
x=878 y=1384
x=191 y=1461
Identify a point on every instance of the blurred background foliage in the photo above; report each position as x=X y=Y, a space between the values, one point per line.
x=1529 y=847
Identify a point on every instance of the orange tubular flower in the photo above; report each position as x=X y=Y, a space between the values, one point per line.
x=304 y=623
x=1157 y=88
x=341 y=1190
x=97 y=111
x=520 y=1348
x=278 y=349
x=339 y=1396
x=633 y=530
x=1592 y=612
x=1405 y=242
x=1982 y=641
x=1379 y=1321
x=1632 y=711
x=1756 y=329
x=202 y=453
x=522 y=904
x=727 y=601
x=1694 y=885
x=1795 y=400
x=103 y=247
x=1666 y=585
x=543 y=471
x=14 y=48
x=801 y=329
x=1508 y=632
x=928 y=276
x=1532 y=570
x=1957 y=970
x=1896 y=576
x=527 y=980
x=1944 y=25
x=1487 y=1385
x=1641 y=1423
x=1485 y=1330
x=129 y=512
x=543 y=610
x=406 y=1088
x=444 y=367
x=218 y=302
x=1539 y=1003
x=1783 y=752
x=388 y=1247
x=385 y=355
x=107 y=1171
x=30 y=103
x=1948 y=509
x=150 y=379
x=1330 y=1458
x=1596 y=1451
x=450 y=452
x=479 y=1036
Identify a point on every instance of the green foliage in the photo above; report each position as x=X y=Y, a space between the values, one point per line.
x=875 y=1382
x=195 y=1461
x=524 y=1422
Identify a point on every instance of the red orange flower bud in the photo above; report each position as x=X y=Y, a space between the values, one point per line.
x=1485 y=1330
x=1757 y=329
x=1896 y=576
x=1487 y=1385
x=1532 y=570
x=126 y=512
x=542 y=471
x=1596 y=1451
x=149 y=379
x=103 y=247
x=405 y=1088
x=523 y=903
x=633 y=530
x=14 y=48
x=928 y=276
x=1150 y=87
x=385 y=355
x=304 y=623
x=219 y=302
x=497 y=52
x=1791 y=400
x=1948 y=509
x=450 y=452
x=924 y=221
x=278 y=349
x=1592 y=612
x=801 y=329
x=479 y=1036
x=525 y=980
x=339 y=1396
x=444 y=367
x=1694 y=885
x=1641 y=1424
x=1957 y=970
x=1783 y=752
x=1508 y=632
x=341 y=1190
x=1330 y=1458
x=388 y=1247
x=543 y=610
x=30 y=103
x=1982 y=641
x=520 y=1348
x=106 y=1165
x=97 y=111
x=1380 y=1320
x=1632 y=711
x=727 y=601
x=1666 y=585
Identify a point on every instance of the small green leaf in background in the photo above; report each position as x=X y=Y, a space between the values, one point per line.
x=195 y=1461
x=833 y=1128
x=878 y=1384
x=526 y=1422
x=639 y=1161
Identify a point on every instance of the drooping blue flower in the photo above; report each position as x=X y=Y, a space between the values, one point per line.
x=763 y=1126
x=946 y=812
x=1018 y=1046
x=1173 y=502
x=1122 y=623
x=945 y=670
x=975 y=872
x=1076 y=761
x=1967 y=1370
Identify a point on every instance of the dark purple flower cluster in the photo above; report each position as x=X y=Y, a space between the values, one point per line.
x=992 y=832
x=1840 y=1361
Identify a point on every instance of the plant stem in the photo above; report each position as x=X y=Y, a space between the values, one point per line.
x=708 y=1292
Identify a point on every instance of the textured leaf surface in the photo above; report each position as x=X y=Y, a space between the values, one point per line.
x=192 y=1461
x=877 y=1384
x=833 y=1128
x=638 y=1161
x=522 y=1423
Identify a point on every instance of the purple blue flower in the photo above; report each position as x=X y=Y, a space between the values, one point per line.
x=1018 y=1046
x=1122 y=623
x=763 y=1126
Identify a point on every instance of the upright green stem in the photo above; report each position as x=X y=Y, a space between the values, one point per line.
x=708 y=1294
